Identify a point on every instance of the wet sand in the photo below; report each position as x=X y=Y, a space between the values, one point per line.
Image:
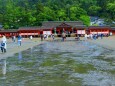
x=106 y=42
x=13 y=48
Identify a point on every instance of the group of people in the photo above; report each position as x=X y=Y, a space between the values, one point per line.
x=45 y=36
x=19 y=39
x=3 y=44
x=94 y=36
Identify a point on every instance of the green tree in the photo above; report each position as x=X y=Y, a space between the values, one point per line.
x=76 y=12
x=17 y=13
x=61 y=14
x=38 y=13
x=111 y=10
x=85 y=19
x=94 y=10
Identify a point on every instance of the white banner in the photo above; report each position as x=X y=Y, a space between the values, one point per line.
x=93 y=32
x=23 y=33
x=105 y=32
x=28 y=33
x=80 y=31
x=47 y=32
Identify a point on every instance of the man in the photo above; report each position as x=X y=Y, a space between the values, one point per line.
x=19 y=40
x=3 y=47
x=63 y=36
x=3 y=44
x=41 y=36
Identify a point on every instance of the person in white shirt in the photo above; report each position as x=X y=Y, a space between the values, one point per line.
x=3 y=44
x=85 y=36
x=4 y=39
x=31 y=37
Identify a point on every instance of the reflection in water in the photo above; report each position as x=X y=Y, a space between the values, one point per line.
x=60 y=64
x=20 y=55
x=31 y=50
x=4 y=67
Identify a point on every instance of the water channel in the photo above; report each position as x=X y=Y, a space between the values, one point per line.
x=70 y=63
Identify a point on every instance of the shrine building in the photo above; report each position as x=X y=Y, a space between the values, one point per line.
x=57 y=28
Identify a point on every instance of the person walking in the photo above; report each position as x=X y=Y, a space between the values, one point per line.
x=19 y=40
x=4 y=39
x=13 y=38
x=3 y=47
x=52 y=36
x=63 y=36
x=85 y=37
x=3 y=44
x=31 y=37
x=41 y=36
x=101 y=36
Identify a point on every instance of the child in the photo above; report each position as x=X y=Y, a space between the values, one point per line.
x=3 y=47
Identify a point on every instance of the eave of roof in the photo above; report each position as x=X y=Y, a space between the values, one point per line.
x=33 y=28
x=9 y=30
x=112 y=28
x=99 y=27
x=57 y=23
x=80 y=26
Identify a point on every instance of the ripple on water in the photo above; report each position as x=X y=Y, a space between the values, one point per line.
x=94 y=78
x=66 y=63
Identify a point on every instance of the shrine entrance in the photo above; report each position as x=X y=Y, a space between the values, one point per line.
x=63 y=28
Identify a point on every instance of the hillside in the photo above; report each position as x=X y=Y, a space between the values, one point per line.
x=16 y=13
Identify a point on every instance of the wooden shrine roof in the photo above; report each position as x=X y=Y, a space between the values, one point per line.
x=28 y=28
x=53 y=24
x=61 y=23
x=99 y=27
x=81 y=27
x=9 y=30
x=64 y=25
x=112 y=28
x=33 y=28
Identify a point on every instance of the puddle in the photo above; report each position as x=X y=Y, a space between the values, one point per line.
x=59 y=64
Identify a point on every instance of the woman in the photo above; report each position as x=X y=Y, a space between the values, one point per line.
x=4 y=39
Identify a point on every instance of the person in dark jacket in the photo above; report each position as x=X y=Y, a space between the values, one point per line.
x=3 y=47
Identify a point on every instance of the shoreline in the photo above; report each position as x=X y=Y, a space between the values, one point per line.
x=13 y=48
x=106 y=42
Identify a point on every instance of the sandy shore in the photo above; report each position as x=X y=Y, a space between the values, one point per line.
x=13 y=48
x=107 y=42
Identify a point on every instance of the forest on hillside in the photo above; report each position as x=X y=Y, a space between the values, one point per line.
x=18 y=13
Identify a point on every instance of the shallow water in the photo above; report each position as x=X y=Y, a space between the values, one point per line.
x=58 y=63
